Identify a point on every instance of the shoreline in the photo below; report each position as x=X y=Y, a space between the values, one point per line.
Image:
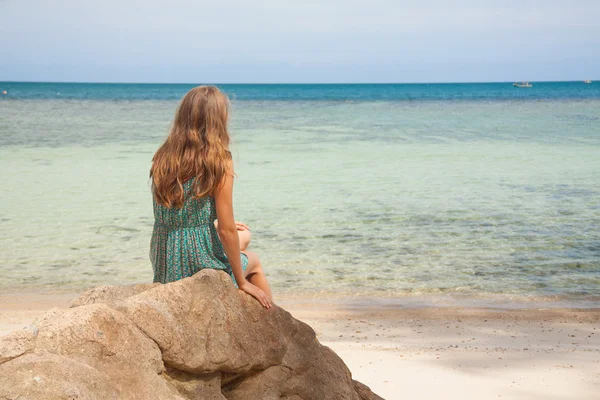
x=388 y=300
x=428 y=352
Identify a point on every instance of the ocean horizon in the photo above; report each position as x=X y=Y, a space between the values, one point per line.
x=307 y=91
x=474 y=190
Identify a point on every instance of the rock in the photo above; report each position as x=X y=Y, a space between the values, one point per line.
x=51 y=376
x=197 y=338
x=17 y=343
x=206 y=386
x=110 y=294
x=364 y=391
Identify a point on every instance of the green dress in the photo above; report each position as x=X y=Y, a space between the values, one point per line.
x=185 y=240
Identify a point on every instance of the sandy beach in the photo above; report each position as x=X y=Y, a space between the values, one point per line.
x=433 y=352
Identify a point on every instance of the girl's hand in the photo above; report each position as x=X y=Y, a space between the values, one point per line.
x=257 y=293
x=241 y=226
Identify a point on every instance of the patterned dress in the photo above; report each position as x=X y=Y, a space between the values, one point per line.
x=185 y=240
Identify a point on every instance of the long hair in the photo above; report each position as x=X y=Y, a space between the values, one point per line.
x=197 y=147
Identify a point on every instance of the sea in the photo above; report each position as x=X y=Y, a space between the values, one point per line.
x=385 y=191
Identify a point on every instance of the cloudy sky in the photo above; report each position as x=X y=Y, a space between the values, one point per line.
x=299 y=41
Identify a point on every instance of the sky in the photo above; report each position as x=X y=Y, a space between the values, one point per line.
x=308 y=41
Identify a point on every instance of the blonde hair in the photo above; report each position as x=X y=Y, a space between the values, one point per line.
x=197 y=147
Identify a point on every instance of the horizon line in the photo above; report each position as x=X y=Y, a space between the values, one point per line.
x=297 y=83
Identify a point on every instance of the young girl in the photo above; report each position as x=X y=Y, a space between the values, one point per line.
x=192 y=185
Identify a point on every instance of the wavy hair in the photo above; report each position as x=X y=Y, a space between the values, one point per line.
x=197 y=147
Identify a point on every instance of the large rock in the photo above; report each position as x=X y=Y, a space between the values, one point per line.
x=197 y=338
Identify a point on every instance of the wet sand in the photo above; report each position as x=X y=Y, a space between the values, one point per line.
x=431 y=352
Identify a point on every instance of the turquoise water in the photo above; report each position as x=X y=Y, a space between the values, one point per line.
x=321 y=92
x=453 y=191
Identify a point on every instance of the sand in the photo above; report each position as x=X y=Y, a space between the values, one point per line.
x=432 y=352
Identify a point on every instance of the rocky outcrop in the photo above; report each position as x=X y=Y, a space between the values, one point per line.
x=197 y=338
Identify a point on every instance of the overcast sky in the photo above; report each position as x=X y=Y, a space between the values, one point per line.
x=223 y=41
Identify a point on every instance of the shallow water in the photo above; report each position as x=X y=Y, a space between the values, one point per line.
x=367 y=197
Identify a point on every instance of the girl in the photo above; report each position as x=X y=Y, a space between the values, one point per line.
x=192 y=185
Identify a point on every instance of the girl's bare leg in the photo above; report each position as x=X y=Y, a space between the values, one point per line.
x=255 y=274
x=244 y=236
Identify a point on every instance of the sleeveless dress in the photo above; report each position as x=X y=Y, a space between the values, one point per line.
x=185 y=240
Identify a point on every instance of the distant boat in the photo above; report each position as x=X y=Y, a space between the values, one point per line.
x=587 y=81
x=522 y=84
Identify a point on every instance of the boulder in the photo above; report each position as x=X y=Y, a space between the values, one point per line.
x=196 y=338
